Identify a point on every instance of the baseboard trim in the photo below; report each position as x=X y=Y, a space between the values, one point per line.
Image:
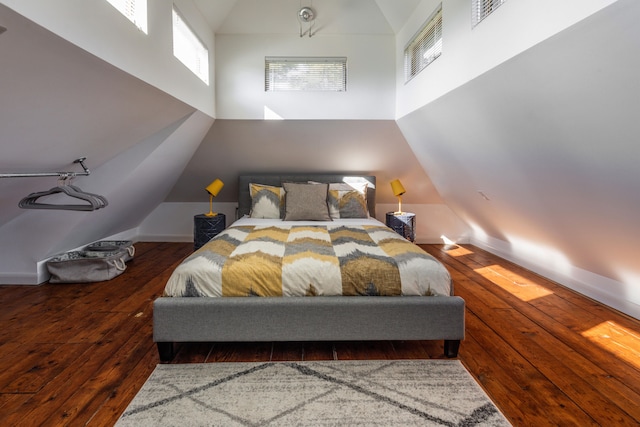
x=582 y=281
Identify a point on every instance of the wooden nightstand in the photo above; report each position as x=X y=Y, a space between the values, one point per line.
x=404 y=224
x=206 y=228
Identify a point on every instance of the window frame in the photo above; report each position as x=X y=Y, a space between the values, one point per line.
x=427 y=38
x=309 y=73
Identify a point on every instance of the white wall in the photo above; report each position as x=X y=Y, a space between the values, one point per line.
x=240 y=77
x=514 y=27
x=550 y=137
x=100 y=29
x=322 y=132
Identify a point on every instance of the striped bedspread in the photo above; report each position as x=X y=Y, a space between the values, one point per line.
x=291 y=259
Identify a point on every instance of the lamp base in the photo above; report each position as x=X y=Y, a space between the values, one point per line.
x=211 y=212
x=399 y=211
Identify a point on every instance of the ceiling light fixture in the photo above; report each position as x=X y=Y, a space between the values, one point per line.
x=306 y=15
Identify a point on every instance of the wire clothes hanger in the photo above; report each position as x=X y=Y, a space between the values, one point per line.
x=92 y=201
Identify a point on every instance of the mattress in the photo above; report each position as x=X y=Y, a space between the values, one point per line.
x=273 y=258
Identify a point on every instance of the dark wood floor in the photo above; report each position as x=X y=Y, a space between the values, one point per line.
x=77 y=354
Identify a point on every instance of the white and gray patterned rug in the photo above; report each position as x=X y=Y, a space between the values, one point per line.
x=330 y=393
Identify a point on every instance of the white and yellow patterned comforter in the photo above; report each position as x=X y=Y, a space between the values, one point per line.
x=277 y=258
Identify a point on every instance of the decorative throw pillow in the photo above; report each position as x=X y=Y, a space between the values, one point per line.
x=266 y=201
x=352 y=205
x=306 y=202
x=350 y=199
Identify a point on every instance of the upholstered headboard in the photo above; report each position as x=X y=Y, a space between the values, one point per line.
x=244 y=197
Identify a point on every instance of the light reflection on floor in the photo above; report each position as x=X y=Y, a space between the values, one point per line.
x=618 y=340
x=518 y=286
x=455 y=250
x=615 y=338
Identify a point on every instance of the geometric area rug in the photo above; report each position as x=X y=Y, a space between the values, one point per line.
x=323 y=393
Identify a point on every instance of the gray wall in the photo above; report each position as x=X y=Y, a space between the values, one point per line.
x=374 y=147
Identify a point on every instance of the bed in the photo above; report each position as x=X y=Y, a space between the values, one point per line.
x=203 y=306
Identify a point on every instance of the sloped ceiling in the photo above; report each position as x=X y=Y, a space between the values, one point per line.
x=551 y=139
x=60 y=103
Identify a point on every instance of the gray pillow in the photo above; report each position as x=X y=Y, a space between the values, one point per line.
x=352 y=204
x=306 y=202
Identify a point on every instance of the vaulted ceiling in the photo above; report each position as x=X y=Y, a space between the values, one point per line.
x=332 y=16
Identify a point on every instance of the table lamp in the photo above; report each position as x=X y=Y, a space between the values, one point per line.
x=398 y=191
x=213 y=189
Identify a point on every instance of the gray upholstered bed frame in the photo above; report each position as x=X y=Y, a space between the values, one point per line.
x=335 y=318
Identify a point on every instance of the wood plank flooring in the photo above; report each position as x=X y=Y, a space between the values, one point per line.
x=77 y=354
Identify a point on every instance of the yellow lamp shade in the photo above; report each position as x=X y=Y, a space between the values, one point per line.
x=213 y=189
x=397 y=188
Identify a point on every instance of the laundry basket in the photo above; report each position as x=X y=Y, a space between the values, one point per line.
x=111 y=246
x=85 y=267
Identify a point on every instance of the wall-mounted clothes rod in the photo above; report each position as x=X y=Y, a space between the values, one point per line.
x=81 y=160
x=90 y=201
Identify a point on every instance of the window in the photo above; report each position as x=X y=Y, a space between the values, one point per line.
x=188 y=48
x=305 y=74
x=134 y=10
x=425 y=46
x=480 y=9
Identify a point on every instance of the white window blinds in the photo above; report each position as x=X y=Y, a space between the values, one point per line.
x=134 y=10
x=480 y=9
x=327 y=74
x=425 y=46
x=188 y=48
